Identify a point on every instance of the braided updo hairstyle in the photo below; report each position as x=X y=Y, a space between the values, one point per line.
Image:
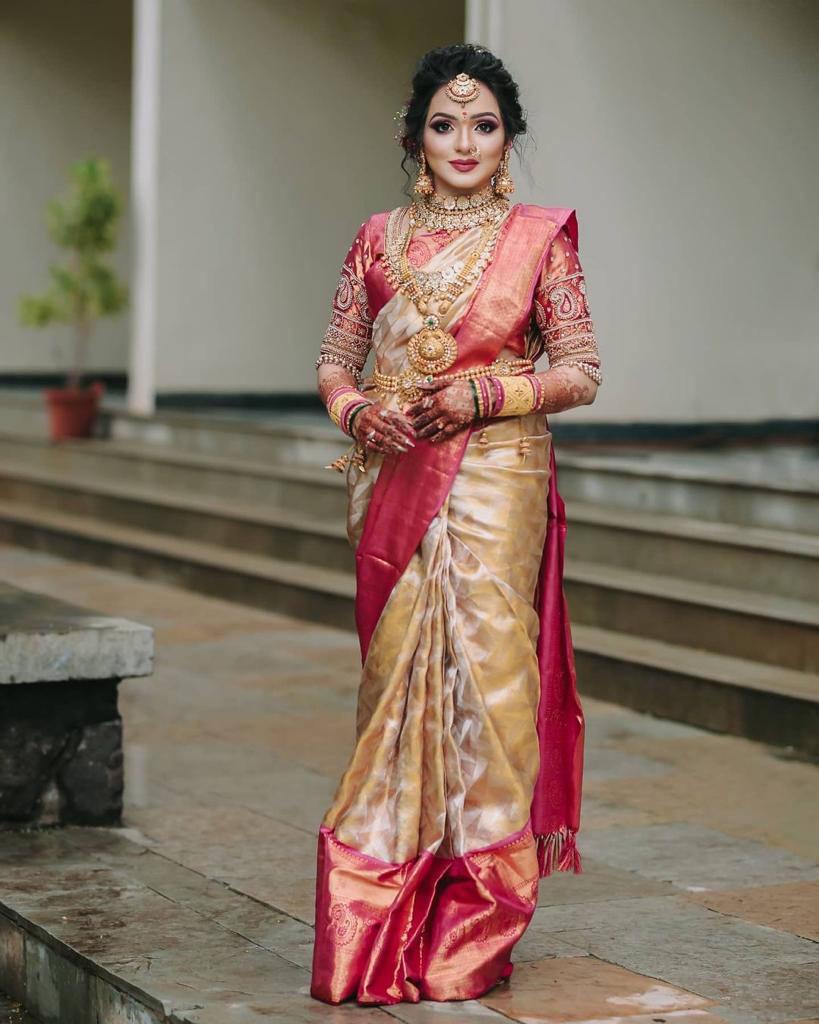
x=441 y=65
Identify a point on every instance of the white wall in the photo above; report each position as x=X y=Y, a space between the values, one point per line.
x=64 y=95
x=276 y=141
x=686 y=134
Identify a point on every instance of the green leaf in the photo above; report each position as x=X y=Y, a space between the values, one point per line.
x=84 y=221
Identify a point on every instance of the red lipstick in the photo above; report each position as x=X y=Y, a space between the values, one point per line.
x=464 y=165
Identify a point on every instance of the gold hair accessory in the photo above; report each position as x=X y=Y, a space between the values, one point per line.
x=423 y=183
x=503 y=179
x=463 y=89
x=400 y=117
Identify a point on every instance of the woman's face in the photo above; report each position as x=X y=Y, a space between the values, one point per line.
x=463 y=142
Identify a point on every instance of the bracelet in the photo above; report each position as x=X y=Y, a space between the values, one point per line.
x=537 y=387
x=499 y=395
x=518 y=395
x=475 y=399
x=342 y=403
x=352 y=416
x=486 y=395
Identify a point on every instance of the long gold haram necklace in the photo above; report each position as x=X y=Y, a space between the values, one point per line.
x=432 y=349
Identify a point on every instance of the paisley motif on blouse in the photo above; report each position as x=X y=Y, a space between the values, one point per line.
x=561 y=311
x=349 y=334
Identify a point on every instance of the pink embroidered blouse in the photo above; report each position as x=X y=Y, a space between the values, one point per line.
x=561 y=320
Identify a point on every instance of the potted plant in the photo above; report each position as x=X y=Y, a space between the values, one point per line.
x=86 y=223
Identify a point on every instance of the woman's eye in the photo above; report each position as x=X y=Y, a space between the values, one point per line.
x=441 y=127
x=485 y=127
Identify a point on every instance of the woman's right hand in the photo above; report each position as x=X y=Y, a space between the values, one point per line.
x=383 y=430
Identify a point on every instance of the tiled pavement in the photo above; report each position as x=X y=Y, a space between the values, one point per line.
x=699 y=902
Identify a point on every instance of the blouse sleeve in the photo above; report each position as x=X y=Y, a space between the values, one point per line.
x=349 y=335
x=562 y=311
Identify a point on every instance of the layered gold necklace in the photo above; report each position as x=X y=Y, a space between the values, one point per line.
x=432 y=349
x=457 y=213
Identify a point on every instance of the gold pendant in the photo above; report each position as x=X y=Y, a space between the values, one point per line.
x=432 y=350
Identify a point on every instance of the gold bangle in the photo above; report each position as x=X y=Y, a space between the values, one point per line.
x=340 y=402
x=518 y=396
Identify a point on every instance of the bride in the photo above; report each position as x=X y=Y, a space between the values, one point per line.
x=464 y=786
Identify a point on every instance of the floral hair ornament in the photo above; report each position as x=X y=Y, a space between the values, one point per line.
x=400 y=117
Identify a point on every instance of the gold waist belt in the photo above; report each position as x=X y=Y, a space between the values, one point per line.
x=406 y=383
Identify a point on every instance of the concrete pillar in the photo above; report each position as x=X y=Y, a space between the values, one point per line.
x=484 y=23
x=145 y=204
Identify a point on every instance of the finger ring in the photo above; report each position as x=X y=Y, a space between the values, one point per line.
x=371 y=433
x=440 y=424
x=427 y=403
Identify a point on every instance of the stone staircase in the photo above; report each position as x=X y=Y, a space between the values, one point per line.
x=693 y=586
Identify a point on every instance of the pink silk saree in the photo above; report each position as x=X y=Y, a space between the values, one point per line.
x=464 y=787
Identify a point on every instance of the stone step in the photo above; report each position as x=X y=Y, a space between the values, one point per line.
x=292 y=588
x=700 y=616
x=769 y=561
x=726 y=486
x=23 y=415
x=728 y=620
x=725 y=694
x=314 y=490
x=610 y=482
x=300 y=438
x=761 y=693
x=243 y=525
x=745 y=488
x=710 y=492
x=95 y=927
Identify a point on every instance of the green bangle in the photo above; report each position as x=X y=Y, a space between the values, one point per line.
x=475 y=398
x=353 y=415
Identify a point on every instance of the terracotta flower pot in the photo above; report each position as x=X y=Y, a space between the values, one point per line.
x=73 y=411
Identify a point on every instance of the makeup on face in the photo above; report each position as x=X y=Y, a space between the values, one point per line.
x=462 y=147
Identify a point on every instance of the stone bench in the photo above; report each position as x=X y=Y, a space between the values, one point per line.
x=60 y=729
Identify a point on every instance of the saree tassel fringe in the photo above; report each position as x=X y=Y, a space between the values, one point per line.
x=557 y=851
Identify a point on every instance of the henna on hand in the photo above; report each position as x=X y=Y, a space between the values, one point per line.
x=332 y=376
x=565 y=387
x=445 y=409
x=383 y=430
x=393 y=431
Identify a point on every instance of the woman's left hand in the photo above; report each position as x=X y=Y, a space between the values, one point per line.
x=443 y=411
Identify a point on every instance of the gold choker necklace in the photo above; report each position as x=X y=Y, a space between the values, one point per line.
x=457 y=213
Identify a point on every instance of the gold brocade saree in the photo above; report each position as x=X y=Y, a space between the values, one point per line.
x=428 y=871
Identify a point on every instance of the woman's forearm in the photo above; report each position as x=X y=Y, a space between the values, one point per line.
x=565 y=387
x=332 y=376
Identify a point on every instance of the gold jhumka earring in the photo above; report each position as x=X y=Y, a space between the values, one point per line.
x=503 y=179
x=423 y=183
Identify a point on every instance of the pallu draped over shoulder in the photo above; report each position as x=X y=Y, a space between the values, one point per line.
x=464 y=786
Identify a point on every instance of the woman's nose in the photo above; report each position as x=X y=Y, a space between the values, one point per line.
x=463 y=141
